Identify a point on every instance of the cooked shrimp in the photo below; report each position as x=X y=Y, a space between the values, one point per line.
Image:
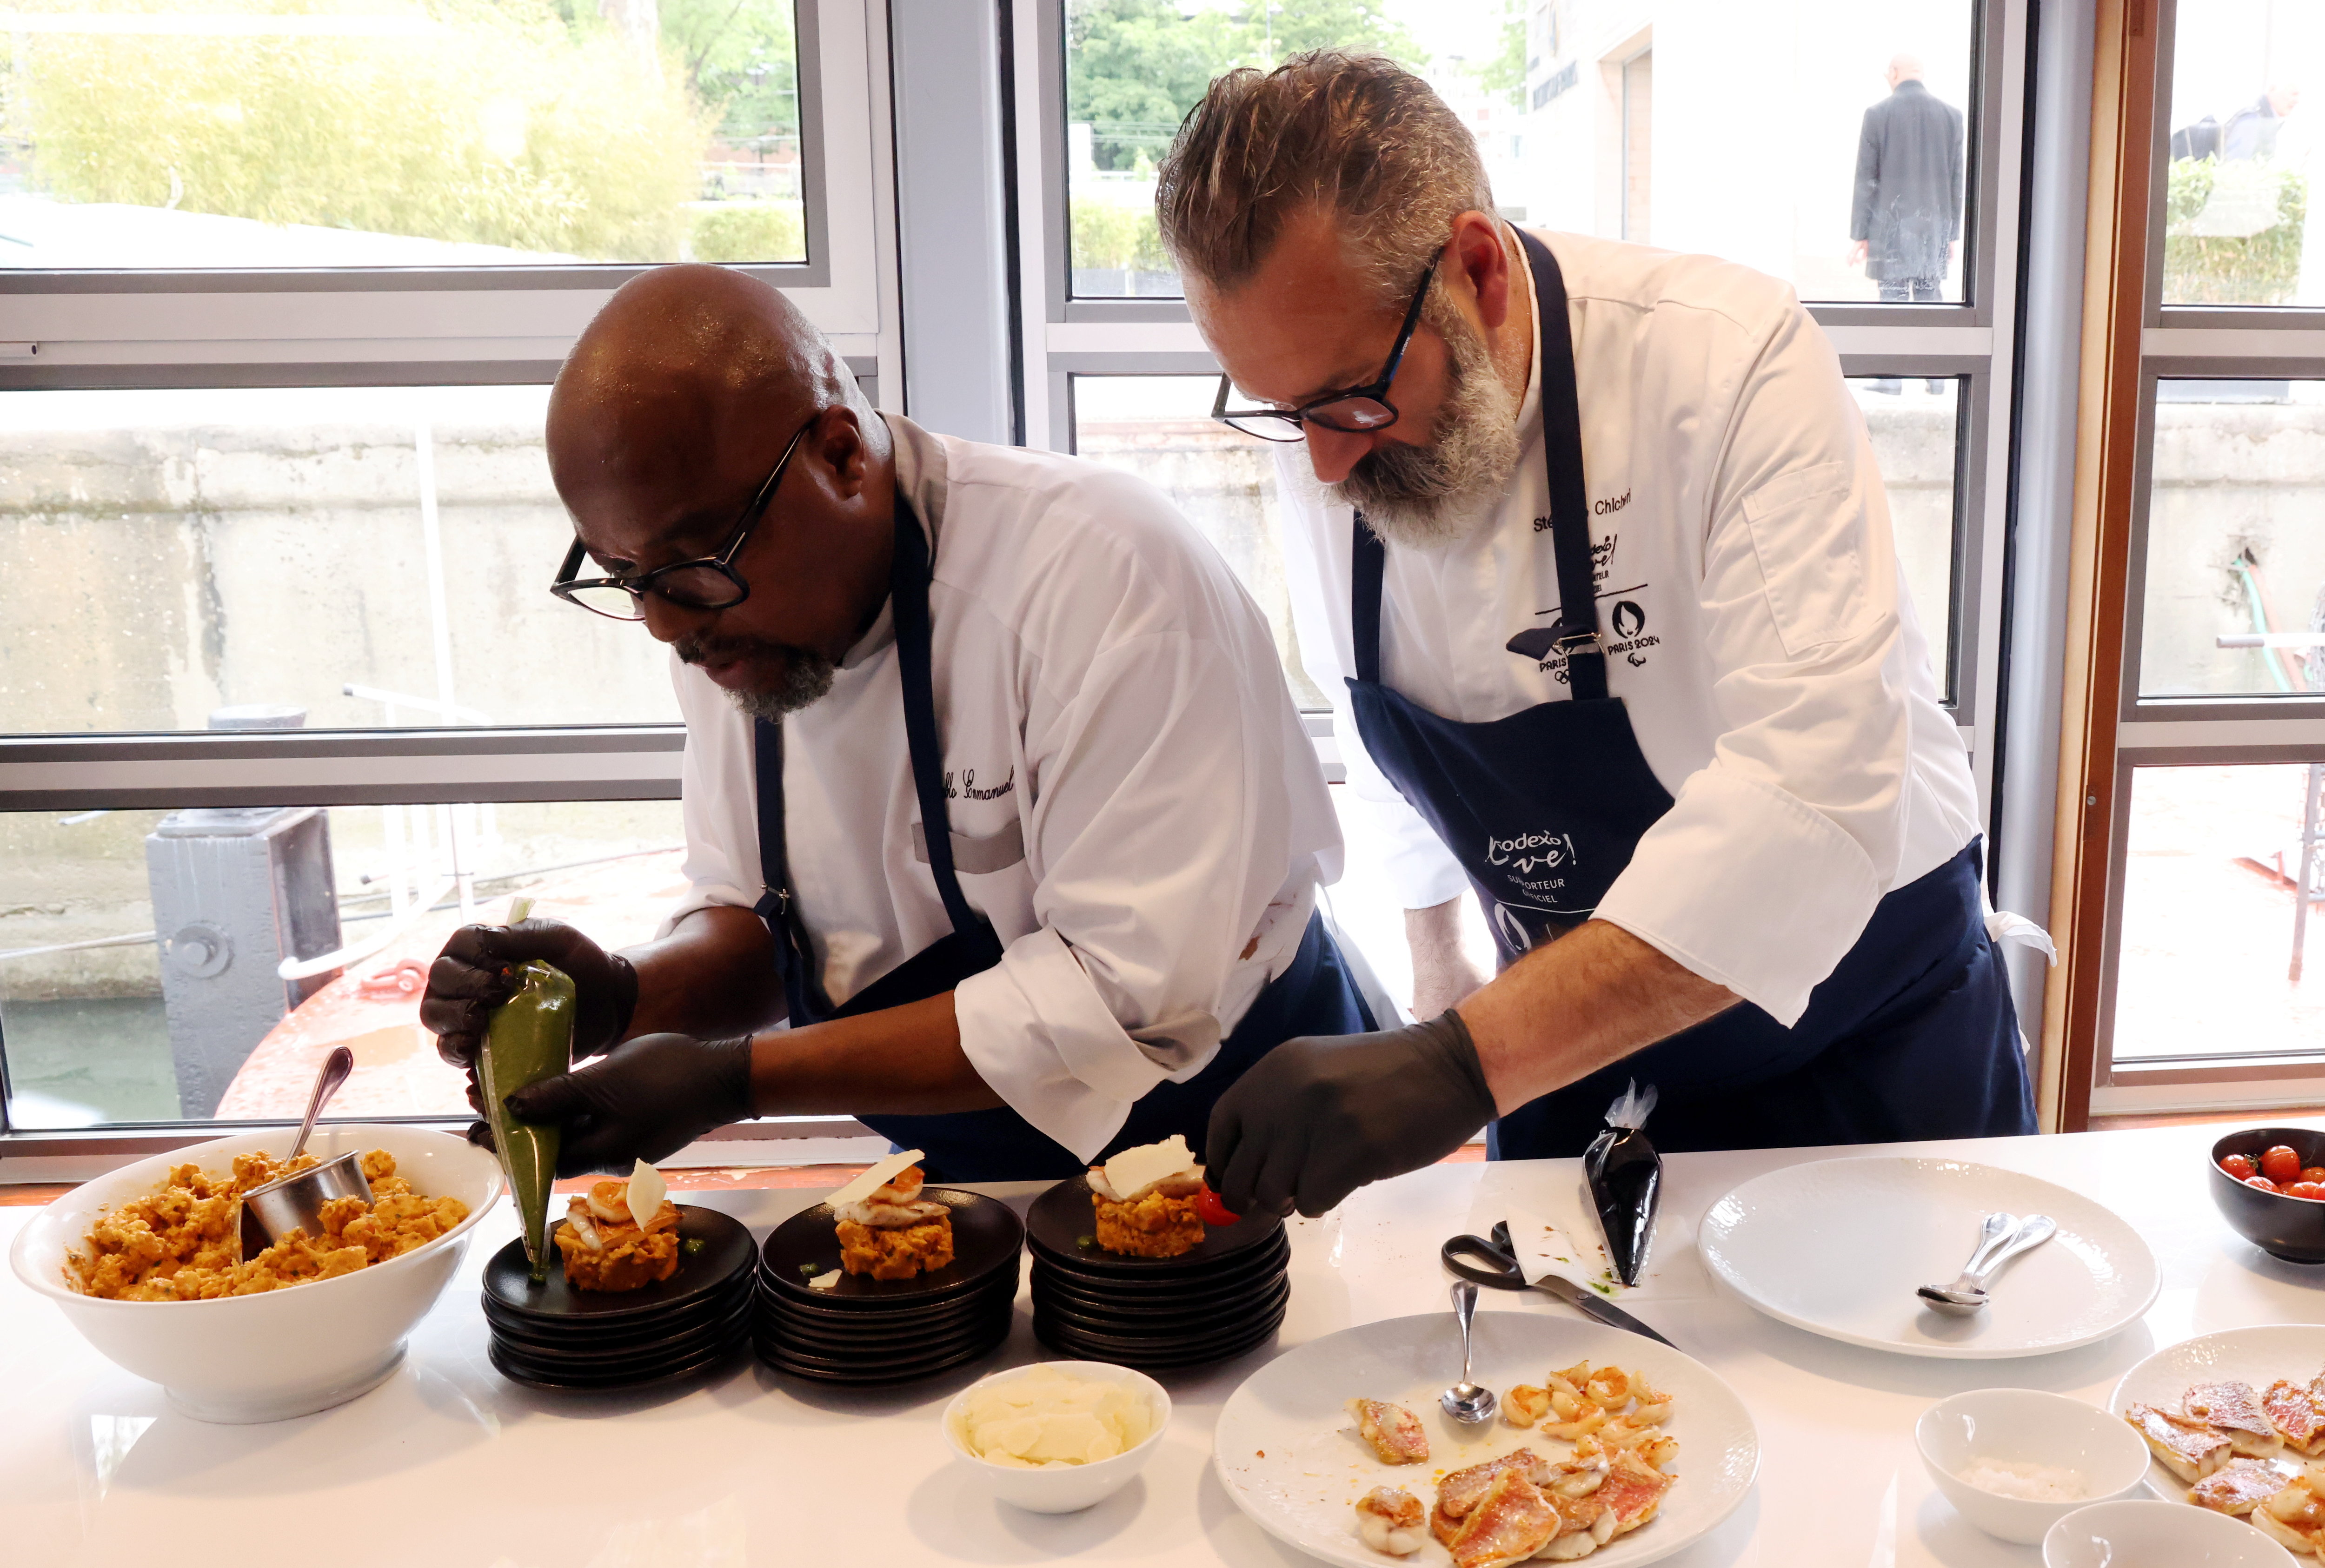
x=1590 y=1419
x=1526 y=1405
x=1609 y=1388
x=1653 y=1406
x=1392 y=1521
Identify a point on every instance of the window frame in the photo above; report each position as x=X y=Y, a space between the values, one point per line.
x=2285 y=343
x=416 y=327
x=1064 y=336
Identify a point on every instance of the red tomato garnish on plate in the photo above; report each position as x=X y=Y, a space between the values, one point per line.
x=2313 y=1191
x=2281 y=1165
x=1211 y=1211
x=2239 y=1166
x=2263 y=1183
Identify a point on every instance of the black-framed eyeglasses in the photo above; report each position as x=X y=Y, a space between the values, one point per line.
x=1357 y=412
x=709 y=583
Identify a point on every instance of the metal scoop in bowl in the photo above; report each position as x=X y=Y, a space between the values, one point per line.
x=295 y=1203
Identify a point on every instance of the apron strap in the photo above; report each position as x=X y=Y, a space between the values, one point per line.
x=908 y=591
x=1576 y=628
x=1569 y=503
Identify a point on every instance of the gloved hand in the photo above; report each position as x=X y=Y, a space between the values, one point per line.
x=471 y=977
x=646 y=1099
x=1319 y=1117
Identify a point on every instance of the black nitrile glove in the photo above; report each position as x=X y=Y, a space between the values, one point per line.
x=474 y=974
x=1319 y=1117
x=646 y=1099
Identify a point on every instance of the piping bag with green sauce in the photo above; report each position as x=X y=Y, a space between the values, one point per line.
x=528 y=1038
x=1625 y=1176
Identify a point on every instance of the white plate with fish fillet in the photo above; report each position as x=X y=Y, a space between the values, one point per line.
x=1837 y=1246
x=1288 y=1455
x=2254 y=1356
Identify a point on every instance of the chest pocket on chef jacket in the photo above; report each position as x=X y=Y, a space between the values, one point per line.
x=976 y=857
x=1813 y=569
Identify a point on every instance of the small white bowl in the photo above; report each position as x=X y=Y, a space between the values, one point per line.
x=283 y=1352
x=1069 y=1489
x=2023 y=1426
x=2153 y=1534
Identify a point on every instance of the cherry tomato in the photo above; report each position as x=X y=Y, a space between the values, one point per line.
x=2263 y=1183
x=2281 y=1164
x=2312 y=1173
x=2239 y=1166
x=1211 y=1211
x=2312 y=1191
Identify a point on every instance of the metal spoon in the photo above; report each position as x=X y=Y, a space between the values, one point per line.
x=336 y=1068
x=2005 y=1238
x=1465 y=1401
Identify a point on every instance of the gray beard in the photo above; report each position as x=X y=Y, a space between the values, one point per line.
x=1428 y=497
x=806 y=679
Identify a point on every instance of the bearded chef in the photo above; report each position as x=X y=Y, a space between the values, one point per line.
x=994 y=792
x=1588 y=540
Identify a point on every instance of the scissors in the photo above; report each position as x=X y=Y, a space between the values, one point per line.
x=1495 y=1265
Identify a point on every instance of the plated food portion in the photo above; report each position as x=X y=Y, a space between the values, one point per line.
x=182 y=1242
x=1137 y=1262
x=2234 y=1424
x=1633 y=1450
x=889 y=1281
x=646 y=1291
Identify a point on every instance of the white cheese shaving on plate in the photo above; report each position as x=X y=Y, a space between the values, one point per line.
x=647 y=1190
x=825 y=1280
x=1134 y=1171
x=876 y=1176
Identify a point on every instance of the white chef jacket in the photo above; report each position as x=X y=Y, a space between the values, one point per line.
x=1757 y=623
x=1134 y=804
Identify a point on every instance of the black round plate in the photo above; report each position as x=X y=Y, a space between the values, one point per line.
x=615 y=1334
x=1225 y=1319
x=1186 y=1353
x=908 y=1313
x=896 y=1348
x=862 y=1373
x=572 y=1383
x=725 y=1253
x=986 y=1237
x=1165 y=1343
x=734 y=1324
x=1250 y=1264
x=1185 y=1296
x=881 y=1335
x=1061 y=1217
x=1138 y=1317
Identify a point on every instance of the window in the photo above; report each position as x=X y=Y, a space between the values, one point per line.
x=2240 y=156
x=391 y=134
x=268 y=464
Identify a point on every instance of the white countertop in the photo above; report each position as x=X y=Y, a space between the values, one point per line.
x=448 y=1465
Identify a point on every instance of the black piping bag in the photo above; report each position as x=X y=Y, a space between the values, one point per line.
x=1626 y=1178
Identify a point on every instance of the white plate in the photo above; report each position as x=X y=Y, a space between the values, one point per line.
x=1838 y=1247
x=2258 y=1356
x=1289 y=1455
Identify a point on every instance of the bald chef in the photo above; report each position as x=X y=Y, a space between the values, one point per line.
x=993 y=787
x=1588 y=540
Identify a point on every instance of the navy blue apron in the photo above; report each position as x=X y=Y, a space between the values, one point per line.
x=1913 y=1034
x=1315 y=996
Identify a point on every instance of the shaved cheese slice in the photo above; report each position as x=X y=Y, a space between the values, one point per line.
x=1134 y=1170
x=647 y=1190
x=876 y=1177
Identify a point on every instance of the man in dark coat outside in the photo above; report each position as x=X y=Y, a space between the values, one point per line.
x=1907 y=214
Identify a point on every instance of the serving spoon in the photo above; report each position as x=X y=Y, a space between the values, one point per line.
x=1465 y=1401
x=2004 y=1237
x=296 y=1197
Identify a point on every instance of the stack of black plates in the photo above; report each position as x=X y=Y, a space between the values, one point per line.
x=1223 y=1299
x=862 y=1329
x=552 y=1336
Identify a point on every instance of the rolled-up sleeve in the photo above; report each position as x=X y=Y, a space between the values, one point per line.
x=1178 y=810
x=1764 y=871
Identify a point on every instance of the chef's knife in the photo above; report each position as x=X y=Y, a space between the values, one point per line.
x=1475 y=1258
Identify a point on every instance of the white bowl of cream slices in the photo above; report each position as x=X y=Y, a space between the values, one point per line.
x=1056 y=1437
x=2015 y=1462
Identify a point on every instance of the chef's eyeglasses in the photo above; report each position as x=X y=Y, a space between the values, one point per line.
x=1358 y=411
x=709 y=583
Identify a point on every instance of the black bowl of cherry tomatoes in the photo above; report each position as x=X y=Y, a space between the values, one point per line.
x=2269 y=1182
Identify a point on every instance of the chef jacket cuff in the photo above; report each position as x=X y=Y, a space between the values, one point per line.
x=1040 y=1037
x=1748 y=887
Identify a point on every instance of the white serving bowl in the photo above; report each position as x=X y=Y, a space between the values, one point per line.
x=2022 y=1425
x=283 y=1352
x=1071 y=1488
x=2153 y=1534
